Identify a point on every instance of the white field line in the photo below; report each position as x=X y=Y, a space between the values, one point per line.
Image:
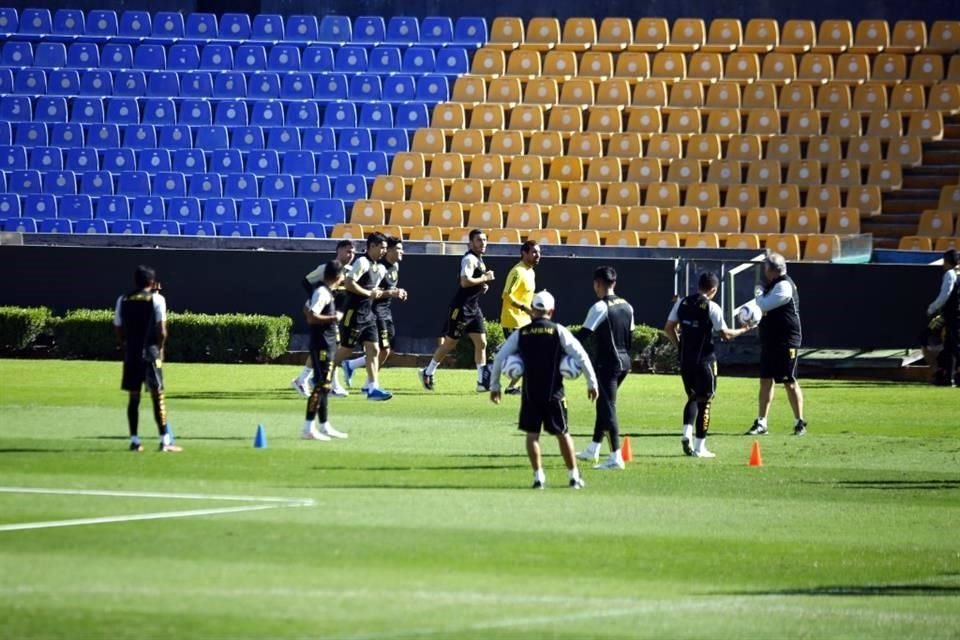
x=261 y=504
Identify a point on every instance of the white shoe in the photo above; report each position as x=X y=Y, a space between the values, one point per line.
x=314 y=434
x=610 y=463
x=333 y=433
x=589 y=457
x=301 y=387
x=704 y=453
x=339 y=392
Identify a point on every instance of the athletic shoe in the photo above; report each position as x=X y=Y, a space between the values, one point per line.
x=687 y=449
x=482 y=388
x=169 y=448
x=333 y=433
x=610 y=463
x=339 y=392
x=537 y=485
x=513 y=391
x=314 y=434
x=577 y=483
x=136 y=446
x=589 y=457
x=801 y=428
x=301 y=387
x=426 y=379
x=347 y=372
x=485 y=374
x=379 y=394
x=757 y=429
x=704 y=453
x=364 y=389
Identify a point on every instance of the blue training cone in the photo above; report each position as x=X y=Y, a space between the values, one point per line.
x=260 y=439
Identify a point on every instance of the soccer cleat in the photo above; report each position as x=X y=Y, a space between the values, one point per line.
x=588 y=456
x=757 y=429
x=513 y=391
x=169 y=448
x=347 y=372
x=426 y=379
x=704 y=453
x=577 y=483
x=301 y=387
x=333 y=433
x=687 y=449
x=339 y=392
x=800 y=428
x=537 y=485
x=610 y=463
x=314 y=434
x=485 y=375
x=482 y=388
x=136 y=446
x=379 y=395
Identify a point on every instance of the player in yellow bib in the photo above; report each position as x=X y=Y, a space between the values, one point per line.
x=518 y=295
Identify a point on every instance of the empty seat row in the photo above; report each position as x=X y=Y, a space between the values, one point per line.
x=936 y=223
x=926 y=243
x=241 y=229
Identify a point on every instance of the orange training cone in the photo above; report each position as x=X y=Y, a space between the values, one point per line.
x=625 y=451
x=755 y=459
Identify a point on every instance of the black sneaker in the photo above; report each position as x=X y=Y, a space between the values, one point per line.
x=425 y=379
x=136 y=446
x=757 y=429
x=537 y=485
x=513 y=391
x=483 y=384
x=577 y=483
x=687 y=449
x=800 y=428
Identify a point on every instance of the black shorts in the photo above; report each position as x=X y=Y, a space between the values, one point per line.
x=323 y=366
x=139 y=371
x=462 y=321
x=700 y=379
x=779 y=363
x=386 y=330
x=356 y=330
x=550 y=416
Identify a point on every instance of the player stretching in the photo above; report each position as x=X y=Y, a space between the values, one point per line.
x=322 y=316
x=517 y=295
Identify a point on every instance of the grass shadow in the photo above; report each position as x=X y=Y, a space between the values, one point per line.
x=888 y=590
x=899 y=485
x=274 y=394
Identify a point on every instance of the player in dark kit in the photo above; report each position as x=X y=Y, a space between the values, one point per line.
x=691 y=325
x=542 y=344
x=610 y=321
x=321 y=314
x=464 y=316
x=947 y=305
x=140 y=322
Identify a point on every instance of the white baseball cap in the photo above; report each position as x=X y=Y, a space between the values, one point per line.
x=543 y=301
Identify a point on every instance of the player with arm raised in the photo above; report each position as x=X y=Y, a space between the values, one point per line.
x=321 y=315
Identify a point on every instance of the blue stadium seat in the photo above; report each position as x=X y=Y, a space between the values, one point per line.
x=298 y=163
x=376 y=115
x=113 y=208
x=196 y=84
x=129 y=83
x=102 y=23
x=13 y=158
x=82 y=159
x=198 y=229
x=171 y=184
x=217 y=57
x=6 y=133
x=263 y=162
x=24 y=181
x=148 y=208
x=385 y=59
x=9 y=205
x=308 y=230
x=64 y=82
x=292 y=211
x=220 y=210
x=16 y=54
x=271 y=230
x=436 y=31
x=86 y=110
x=58 y=225
x=159 y=111
x=96 y=183
x=243 y=185
x=353 y=59
x=150 y=57
x=133 y=183
x=195 y=112
x=97 y=82
x=205 y=185
x=354 y=140
x=230 y=84
x=297 y=86
x=267 y=26
x=83 y=55
x=45 y=159
x=201 y=26
x=189 y=161
x=399 y=88
x=470 y=31
x=183 y=210
x=365 y=87
x=235 y=230
x=31 y=134
x=69 y=22
x=246 y=138
x=60 y=183
x=433 y=89
x=117 y=160
x=16 y=108
x=142 y=136
x=283 y=139
x=36 y=22
x=183 y=57
x=51 y=109
x=168 y=25
x=67 y=135
x=263 y=86
x=20 y=225
x=231 y=113
x=122 y=110
x=334 y=163
x=331 y=87
x=164 y=228
x=314 y=187
x=412 y=116
x=403 y=30
x=174 y=136
x=76 y=207
x=371 y=164
x=9 y=21
x=369 y=30
x=303 y=114
x=340 y=115
x=267 y=114
x=328 y=211
x=163 y=84
x=90 y=226
x=419 y=60
x=277 y=186
x=250 y=57
x=6 y=80
x=226 y=161
x=335 y=29
x=284 y=57
x=255 y=210
x=30 y=81
x=319 y=139
x=453 y=61
x=154 y=160
x=350 y=188
x=117 y=55
x=39 y=206
x=102 y=136
x=317 y=59
x=127 y=227
x=235 y=26
x=302 y=28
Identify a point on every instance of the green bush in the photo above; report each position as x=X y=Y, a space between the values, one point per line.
x=86 y=333
x=20 y=326
x=650 y=350
x=464 y=352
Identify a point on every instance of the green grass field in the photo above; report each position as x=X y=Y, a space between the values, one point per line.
x=422 y=523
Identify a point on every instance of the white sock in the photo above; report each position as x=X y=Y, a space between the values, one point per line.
x=575 y=473
x=616 y=455
x=480 y=368
x=687 y=431
x=357 y=363
x=134 y=439
x=762 y=422
x=593 y=447
x=325 y=425
x=539 y=476
x=699 y=444
x=308 y=426
x=165 y=439
x=432 y=367
x=306 y=373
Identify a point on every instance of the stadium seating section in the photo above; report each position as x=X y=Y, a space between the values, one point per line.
x=629 y=133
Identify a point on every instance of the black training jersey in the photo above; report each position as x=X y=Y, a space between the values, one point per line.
x=138 y=311
x=696 y=331
x=323 y=337
x=391 y=278
x=471 y=265
x=368 y=275
x=781 y=326
x=951 y=308
x=540 y=347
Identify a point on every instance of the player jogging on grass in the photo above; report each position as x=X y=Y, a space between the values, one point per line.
x=322 y=316
x=517 y=295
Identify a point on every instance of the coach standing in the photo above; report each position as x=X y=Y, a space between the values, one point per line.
x=948 y=305
x=518 y=289
x=780 y=337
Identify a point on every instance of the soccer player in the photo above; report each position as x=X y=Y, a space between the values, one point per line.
x=140 y=322
x=321 y=314
x=610 y=320
x=359 y=323
x=465 y=316
x=542 y=344
x=345 y=253
x=381 y=309
x=691 y=325
x=947 y=304
x=517 y=295
x=780 y=336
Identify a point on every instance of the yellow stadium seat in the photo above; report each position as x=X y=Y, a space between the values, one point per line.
x=466 y=191
x=428 y=190
x=835 y=96
x=523 y=216
x=722 y=220
x=616 y=34
x=488 y=63
x=943 y=244
x=865 y=149
x=623 y=195
x=407 y=214
x=505 y=91
x=665 y=146
x=350 y=231
x=926 y=125
x=427 y=142
x=702 y=240
x=760 y=36
x=763 y=122
x=683 y=220
x=702 y=196
x=926 y=68
x=586 y=145
x=506 y=143
x=852 y=68
x=915 y=243
x=560 y=64
x=542 y=34
x=797 y=36
x=742 y=196
x=725 y=172
x=662 y=240
x=816 y=68
x=760 y=95
x=458 y=234
x=367 y=212
x=872 y=37
x=844 y=173
x=584 y=194
x=823 y=197
x=566 y=119
x=802 y=220
x=834 y=37
x=889 y=68
x=565 y=216
x=742 y=241
x=526 y=168
x=603 y=218
x=625 y=146
x=762 y=220
x=944 y=37
x=779 y=68
x=907 y=151
x=604 y=120
x=584 y=237
x=804 y=123
x=804 y=173
x=909 y=36
x=683 y=122
x=842 y=221
x=844 y=124
x=706 y=67
x=546 y=144
x=825 y=149
x=744 y=147
x=743 y=67
x=786 y=244
x=684 y=171
x=506 y=33
x=488 y=215
x=467 y=142
x=447 y=214
x=669 y=66
x=887 y=175
x=704 y=147
x=447 y=166
x=579 y=34
x=487 y=167
x=471 y=90
x=908 y=96
x=953 y=70
x=614 y=92
x=783 y=197
x=577 y=92
x=527 y=117
x=764 y=172
x=605 y=170
x=545 y=193
x=504 y=236
x=488 y=117
x=663 y=195
x=541 y=91
x=950 y=198
x=424 y=234
x=935 y=223
x=621 y=239
x=388 y=189
x=687 y=36
x=566 y=169
x=633 y=66
x=643 y=219
x=644 y=120
x=865 y=198
x=524 y=64
x=686 y=94
x=650 y=93
x=652 y=34
x=505 y=192
x=723 y=94
x=408 y=164
x=822 y=248
x=724 y=35
x=796 y=96
x=870 y=96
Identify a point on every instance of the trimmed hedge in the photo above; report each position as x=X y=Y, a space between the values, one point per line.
x=21 y=326
x=464 y=352
x=86 y=333
x=650 y=349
